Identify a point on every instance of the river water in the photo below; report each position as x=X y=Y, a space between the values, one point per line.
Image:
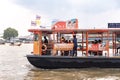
x=14 y=66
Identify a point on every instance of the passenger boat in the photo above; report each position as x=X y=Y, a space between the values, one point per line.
x=94 y=48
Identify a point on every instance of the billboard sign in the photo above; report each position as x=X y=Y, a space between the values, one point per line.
x=113 y=25
x=62 y=25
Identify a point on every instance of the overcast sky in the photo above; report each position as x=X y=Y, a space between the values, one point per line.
x=90 y=13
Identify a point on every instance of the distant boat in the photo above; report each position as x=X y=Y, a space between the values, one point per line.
x=15 y=44
x=2 y=41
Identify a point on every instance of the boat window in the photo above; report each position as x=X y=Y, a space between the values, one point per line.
x=118 y=37
x=35 y=37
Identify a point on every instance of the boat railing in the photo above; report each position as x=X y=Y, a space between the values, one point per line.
x=62 y=47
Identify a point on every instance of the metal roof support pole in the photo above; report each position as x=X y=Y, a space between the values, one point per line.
x=108 y=43
x=86 y=43
x=115 y=43
x=82 y=43
x=113 y=40
x=40 y=43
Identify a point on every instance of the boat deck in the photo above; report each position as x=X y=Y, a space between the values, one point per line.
x=50 y=56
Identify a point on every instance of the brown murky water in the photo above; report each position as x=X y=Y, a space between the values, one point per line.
x=14 y=66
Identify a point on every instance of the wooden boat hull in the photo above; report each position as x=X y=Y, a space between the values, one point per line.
x=54 y=62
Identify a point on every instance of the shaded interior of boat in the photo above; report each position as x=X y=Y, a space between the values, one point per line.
x=90 y=42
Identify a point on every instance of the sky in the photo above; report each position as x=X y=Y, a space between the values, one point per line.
x=18 y=14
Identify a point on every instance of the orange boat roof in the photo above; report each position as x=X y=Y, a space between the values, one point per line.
x=74 y=30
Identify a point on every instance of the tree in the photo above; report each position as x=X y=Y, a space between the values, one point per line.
x=10 y=33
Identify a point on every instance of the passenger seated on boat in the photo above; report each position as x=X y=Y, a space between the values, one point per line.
x=62 y=40
x=66 y=52
x=95 y=42
x=95 y=48
x=71 y=51
x=99 y=41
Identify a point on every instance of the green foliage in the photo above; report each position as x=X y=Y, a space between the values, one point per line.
x=10 y=33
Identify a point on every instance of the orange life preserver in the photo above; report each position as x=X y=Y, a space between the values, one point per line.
x=44 y=47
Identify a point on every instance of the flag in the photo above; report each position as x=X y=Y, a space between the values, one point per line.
x=38 y=22
x=33 y=23
x=38 y=17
